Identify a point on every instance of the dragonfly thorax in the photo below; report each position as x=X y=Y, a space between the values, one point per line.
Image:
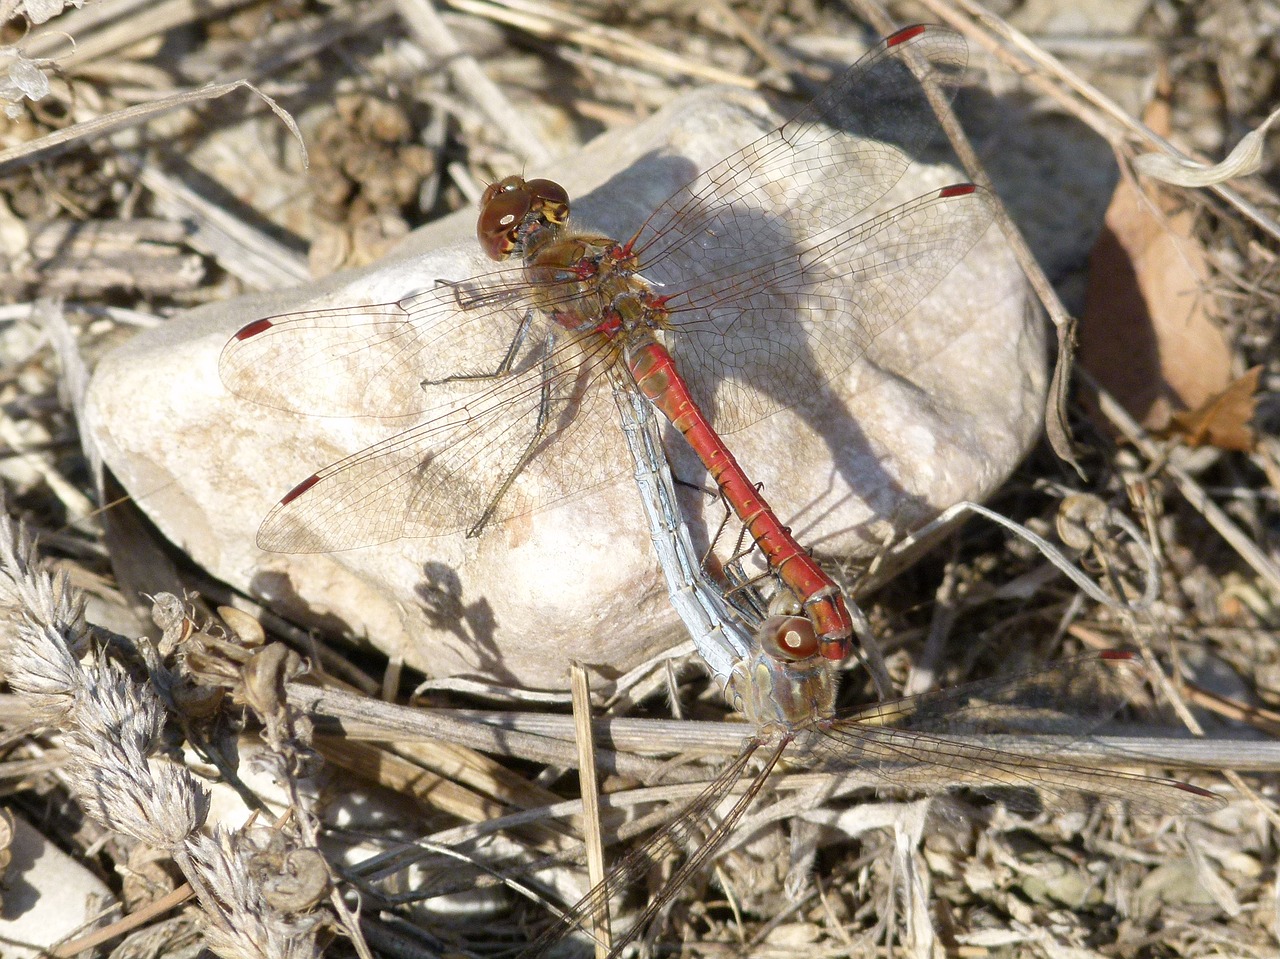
x=585 y=281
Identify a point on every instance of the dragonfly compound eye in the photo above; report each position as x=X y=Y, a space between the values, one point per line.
x=506 y=184
x=788 y=638
x=550 y=199
x=500 y=219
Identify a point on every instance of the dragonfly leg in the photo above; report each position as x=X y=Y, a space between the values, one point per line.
x=536 y=437
x=503 y=368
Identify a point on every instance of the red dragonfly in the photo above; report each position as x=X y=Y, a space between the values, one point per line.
x=767 y=276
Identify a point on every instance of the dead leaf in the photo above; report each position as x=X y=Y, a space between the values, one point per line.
x=1222 y=420
x=1244 y=159
x=1146 y=333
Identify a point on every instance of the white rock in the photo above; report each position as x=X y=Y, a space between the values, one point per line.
x=48 y=896
x=941 y=409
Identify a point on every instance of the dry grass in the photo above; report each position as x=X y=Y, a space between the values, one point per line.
x=113 y=214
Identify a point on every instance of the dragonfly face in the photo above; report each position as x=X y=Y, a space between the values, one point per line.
x=514 y=211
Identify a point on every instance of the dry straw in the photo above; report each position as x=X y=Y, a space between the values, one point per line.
x=110 y=725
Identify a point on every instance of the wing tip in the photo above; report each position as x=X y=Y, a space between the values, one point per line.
x=905 y=34
x=250 y=330
x=298 y=490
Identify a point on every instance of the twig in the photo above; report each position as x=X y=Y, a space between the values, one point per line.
x=1064 y=323
x=590 y=786
x=560 y=25
x=134 y=920
x=509 y=733
x=46 y=147
x=434 y=35
x=1041 y=69
x=252 y=255
x=104 y=29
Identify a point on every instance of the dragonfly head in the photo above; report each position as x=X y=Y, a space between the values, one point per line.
x=513 y=209
x=785 y=684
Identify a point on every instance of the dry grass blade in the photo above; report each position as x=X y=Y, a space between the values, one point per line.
x=1194 y=493
x=258 y=259
x=589 y=780
x=551 y=23
x=701 y=738
x=435 y=37
x=77 y=134
x=103 y=30
x=1056 y=406
x=1244 y=159
x=1104 y=114
x=116 y=929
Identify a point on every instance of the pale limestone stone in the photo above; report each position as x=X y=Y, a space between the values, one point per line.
x=940 y=409
x=48 y=895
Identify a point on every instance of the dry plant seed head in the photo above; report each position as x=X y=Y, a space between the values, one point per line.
x=115 y=727
x=111 y=725
x=171 y=615
x=293 y=879
x=111 y=706
x=156 y=802
x=1078 y=517
x=213 y=661
x=41 y=669
x=148 y=874
x=245 y=628
x=239 y=923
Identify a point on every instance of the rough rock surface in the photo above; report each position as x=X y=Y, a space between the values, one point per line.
x=48 y=895
x=940 y=409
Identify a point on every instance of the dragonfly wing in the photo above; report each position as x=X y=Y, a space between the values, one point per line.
x=688 y=828
x=825 y=165
x=801 y=320
x=780 y=262
x=1073 y=695
x=935 y=740
x=377 y=360
x=930 y=762
x=458 y=469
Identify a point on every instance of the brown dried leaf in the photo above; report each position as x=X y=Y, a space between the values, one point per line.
x=1146 y=333
x=1222 y=420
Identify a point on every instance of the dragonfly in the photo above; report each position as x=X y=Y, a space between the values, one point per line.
x=747 y=291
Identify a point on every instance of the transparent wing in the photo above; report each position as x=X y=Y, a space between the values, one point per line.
x=934 y=741
x=673 y=839
x=472 y=463
x=780 y=268
x=373 y=360
x=766 y=339
x=828 y=163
